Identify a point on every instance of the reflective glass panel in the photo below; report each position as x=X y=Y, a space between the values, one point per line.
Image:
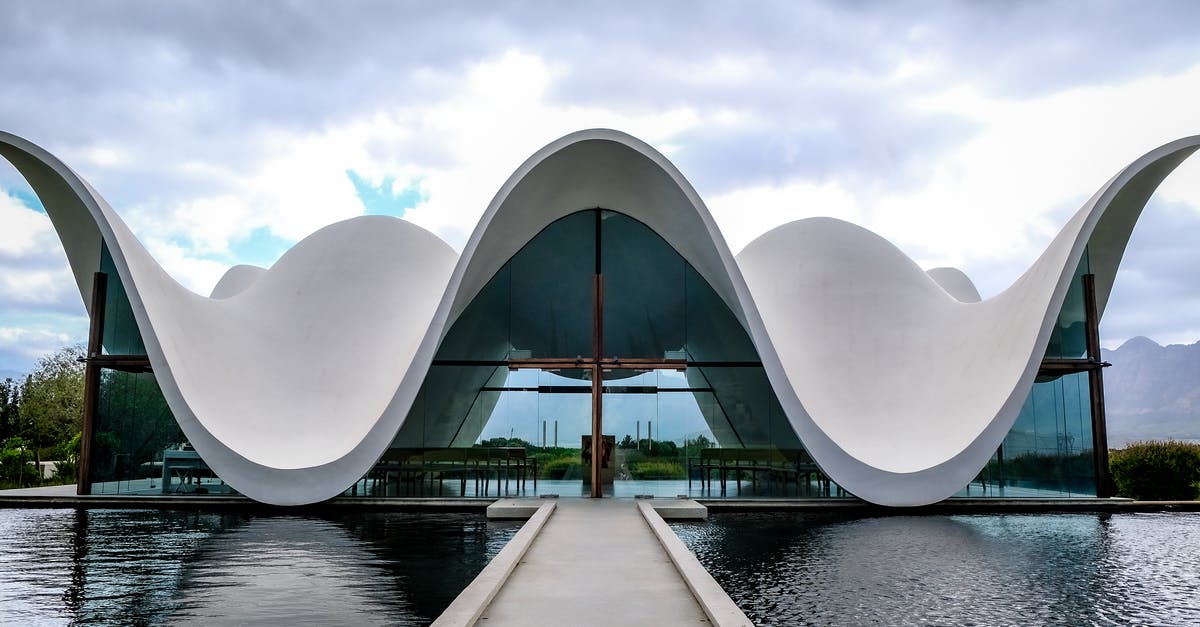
x=644 y=297
x=550 y=303
x=1068 y=338
x=138 y=444
x=120 y=333
x=1048 y=451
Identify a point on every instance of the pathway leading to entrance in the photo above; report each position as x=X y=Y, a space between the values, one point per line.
x=596 y=562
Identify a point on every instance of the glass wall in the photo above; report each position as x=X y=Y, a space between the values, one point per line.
x=539 y=304
x=661 y=426
x=1068 y=338
x=1048 y=452
x=137 y=446
x=133 y=428
x=120 y=334
x=664 y=423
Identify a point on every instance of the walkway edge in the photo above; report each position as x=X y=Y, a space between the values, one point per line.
x=469 y=605
x=720 y=609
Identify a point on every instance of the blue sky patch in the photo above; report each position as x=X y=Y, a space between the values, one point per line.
x=380 y=200
x=262 y=248
x=28 y=198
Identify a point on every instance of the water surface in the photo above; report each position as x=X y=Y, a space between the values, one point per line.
x=145 y=567
x=792 y=569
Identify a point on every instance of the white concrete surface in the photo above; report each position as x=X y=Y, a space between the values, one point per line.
x=515 y=509
x=475 y=598
x=595 y=563
x=720 y=609
x=678 y=509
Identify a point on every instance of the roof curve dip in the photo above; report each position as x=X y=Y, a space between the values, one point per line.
x=374 y=296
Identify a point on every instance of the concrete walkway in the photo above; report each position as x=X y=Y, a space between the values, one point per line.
x=44 y=491
x=596 y=562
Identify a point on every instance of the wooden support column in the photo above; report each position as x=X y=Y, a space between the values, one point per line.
x=1104 y=484
x=91 y=384
x=597 y=384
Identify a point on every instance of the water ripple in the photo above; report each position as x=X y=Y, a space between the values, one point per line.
x=144 y=567
x=789 y=569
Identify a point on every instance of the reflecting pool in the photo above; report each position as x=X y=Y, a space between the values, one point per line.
x=137 y=567
x=1071 y=569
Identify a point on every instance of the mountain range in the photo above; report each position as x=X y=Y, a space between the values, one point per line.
x=1152 y=391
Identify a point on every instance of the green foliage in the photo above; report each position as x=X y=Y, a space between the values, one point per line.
x=51 y=404
x=503 y=442
x=656 y=469
x=627 y=442
x=10 y=404
x=15 y=470
x=653 y=448
x=562 y=468
x=1157 y=470
x=692 y=447
x=66 y=456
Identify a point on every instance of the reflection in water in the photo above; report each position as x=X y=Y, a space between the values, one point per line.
x=126 y=567
x=260 y=571
x=151 y=567
x=789 y=569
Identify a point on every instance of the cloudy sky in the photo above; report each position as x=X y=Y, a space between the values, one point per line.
x=965 y=133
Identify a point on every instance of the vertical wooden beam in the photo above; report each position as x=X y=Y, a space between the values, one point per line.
x=91 y=384
x=1104 y=483
x=597 y=429
x=597 y=382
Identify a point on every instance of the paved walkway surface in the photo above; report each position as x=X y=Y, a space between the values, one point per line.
x=596 y=562
x=48 y=491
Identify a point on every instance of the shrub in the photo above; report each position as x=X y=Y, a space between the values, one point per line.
x=1157 y=470
x=15 y=456
x=656 y=470
x=563 y=468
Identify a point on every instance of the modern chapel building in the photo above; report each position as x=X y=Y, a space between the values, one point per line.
x=595 y=337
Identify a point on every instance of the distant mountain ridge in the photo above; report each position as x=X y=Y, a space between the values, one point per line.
x=1152 y=391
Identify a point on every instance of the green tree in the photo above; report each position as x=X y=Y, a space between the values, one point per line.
x=10 y=402
x=51 y=406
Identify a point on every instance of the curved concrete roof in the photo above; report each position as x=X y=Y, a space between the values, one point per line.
x=291 y=381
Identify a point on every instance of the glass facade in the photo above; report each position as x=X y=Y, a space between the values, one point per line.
x=137 y=445
x=120 y=335
x=1068 y=339
x=133 y=428
x=1049 y=452
x=661 y=419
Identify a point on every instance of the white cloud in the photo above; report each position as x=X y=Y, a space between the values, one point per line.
x=744 y=214
x=964 y=134
x=996 y=200
x=33 y=265
x=195 y=273
x=25 y=231
x=498 y=114
x=33 y=343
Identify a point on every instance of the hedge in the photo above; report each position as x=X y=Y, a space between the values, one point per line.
x=1163 y=470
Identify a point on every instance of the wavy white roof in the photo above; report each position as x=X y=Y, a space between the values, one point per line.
x=291 y=382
